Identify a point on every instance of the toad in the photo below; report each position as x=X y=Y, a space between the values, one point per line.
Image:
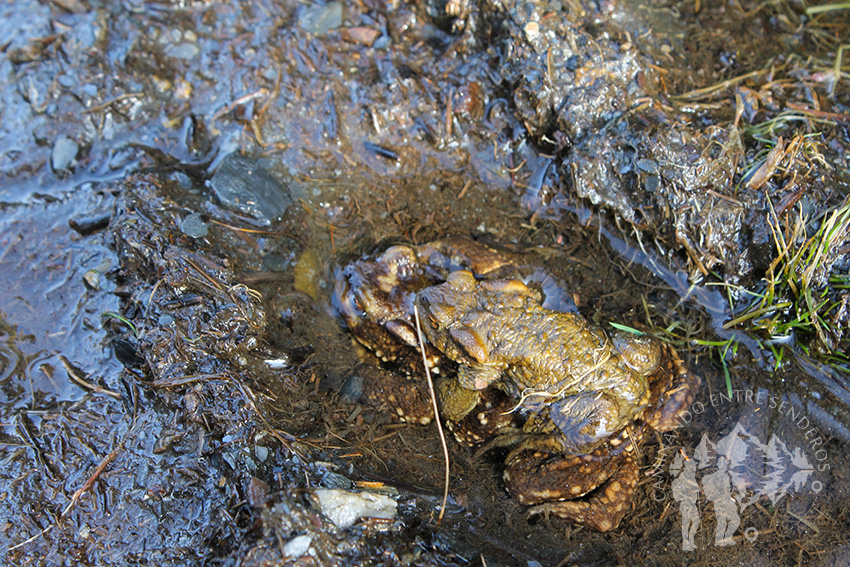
x=587 y=397
x=570 y=400
x=373 y=296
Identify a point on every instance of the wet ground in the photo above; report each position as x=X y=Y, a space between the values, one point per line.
x=178 y=181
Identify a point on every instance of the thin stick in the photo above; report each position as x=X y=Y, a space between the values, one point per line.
x=436 y=412
x=72 y=373
x=723 y=85
x=76 y=496
x=240 y=101
x=88 y=484
x=827 y=8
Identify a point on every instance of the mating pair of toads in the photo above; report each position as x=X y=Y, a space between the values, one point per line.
x=571 y=401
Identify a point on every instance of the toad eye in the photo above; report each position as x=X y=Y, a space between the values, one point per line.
x=359 y=305
x=438 y=315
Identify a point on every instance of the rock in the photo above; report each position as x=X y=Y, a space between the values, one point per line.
x=194 y=226
x=183 y=50
x=366 y=36
x=275 y=263
x=321 y=18
x=297 y=546
x=89 y=224
x=242 y=185
x=344 y=508
x=92 y=280
x=64 y=153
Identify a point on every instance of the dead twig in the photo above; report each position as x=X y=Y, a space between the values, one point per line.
x=463 y=191
x=213 y=283
x=73 y=375
x=88 y=484
x=76 y=496
x=183 y=380
x=706 y=92
x=240 y=101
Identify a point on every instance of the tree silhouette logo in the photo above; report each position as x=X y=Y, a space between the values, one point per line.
x=734 y=473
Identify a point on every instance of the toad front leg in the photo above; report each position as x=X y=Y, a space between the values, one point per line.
x=472 y=420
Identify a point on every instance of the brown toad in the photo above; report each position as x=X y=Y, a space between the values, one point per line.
x=582 y=398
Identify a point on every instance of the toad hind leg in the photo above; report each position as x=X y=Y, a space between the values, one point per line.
x=676 y=396
x=602 y=508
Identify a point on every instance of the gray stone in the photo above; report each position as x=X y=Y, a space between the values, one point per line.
x=194 y=226
x=242 y=185
x=321 y=18
x=64 y=153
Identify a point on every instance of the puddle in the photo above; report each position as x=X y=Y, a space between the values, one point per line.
x=55 y=294
x=171 y=371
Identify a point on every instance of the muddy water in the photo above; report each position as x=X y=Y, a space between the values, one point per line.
x=171 y=369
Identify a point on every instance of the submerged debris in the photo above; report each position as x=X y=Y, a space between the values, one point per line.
x=199 y=312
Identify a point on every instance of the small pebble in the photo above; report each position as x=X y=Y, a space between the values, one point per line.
x=297 y=546
x=86 y=225
x=194 y=226
x=183 y=51
x=184 y=180
x=92 y=280
x=335 y=480
x=366 y=36
x=64 y=153
x=319 y=19
x=274 y=263
x=352 y=389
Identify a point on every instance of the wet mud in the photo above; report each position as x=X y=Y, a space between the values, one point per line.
x=179 y=182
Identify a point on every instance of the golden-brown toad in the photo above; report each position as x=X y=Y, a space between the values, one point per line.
x=587 y=397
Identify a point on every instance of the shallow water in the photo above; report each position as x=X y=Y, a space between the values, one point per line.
x=146 y=416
